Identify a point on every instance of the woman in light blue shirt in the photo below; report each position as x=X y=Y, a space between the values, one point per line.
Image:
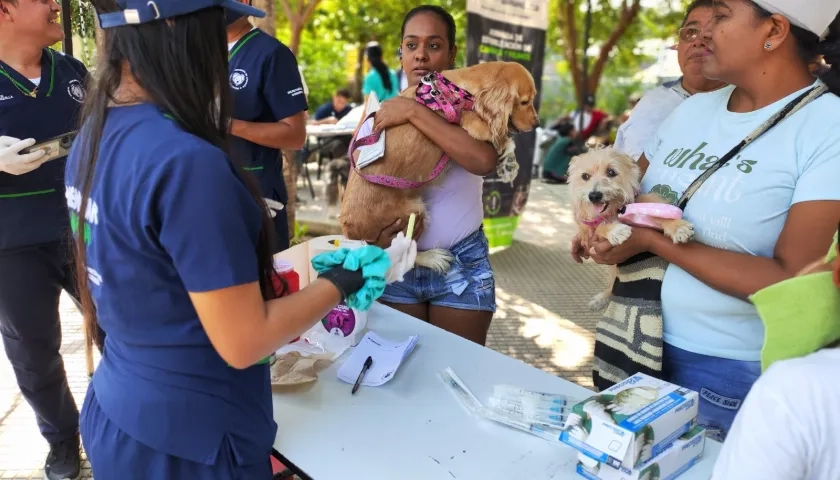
x=380 y=79
x=763 y=216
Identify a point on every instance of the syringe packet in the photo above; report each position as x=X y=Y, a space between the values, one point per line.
x=631 y=422
x=683 y=454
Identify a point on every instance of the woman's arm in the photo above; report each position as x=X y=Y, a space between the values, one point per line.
x=261 y=327
x=287 y=133
x=477 y=157
x=807 y=234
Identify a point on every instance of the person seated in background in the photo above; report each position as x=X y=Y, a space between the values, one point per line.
x=560 y=154
x=587 y=124
x=334 y=110
x=655 y=106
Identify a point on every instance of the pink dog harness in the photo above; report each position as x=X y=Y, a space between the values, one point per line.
x=438 y=94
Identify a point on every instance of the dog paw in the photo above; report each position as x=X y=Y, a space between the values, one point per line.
x=599 y=302
x=680 y=232
x=619 y=234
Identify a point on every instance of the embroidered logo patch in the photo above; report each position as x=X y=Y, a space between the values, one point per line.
x=720 y=400
x=238 y=79
x=76 y=91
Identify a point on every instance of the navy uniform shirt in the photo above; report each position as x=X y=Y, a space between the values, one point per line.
x=32 y=208
x=167 y=216
x=327 y=110
x=266 y=86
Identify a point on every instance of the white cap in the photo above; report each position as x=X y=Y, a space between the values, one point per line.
x=812 y=15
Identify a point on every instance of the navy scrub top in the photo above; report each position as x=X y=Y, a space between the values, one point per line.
x=168 y=215
x=32 y=207
x=266 y=85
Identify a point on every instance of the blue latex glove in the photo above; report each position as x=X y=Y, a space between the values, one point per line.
x=374 y=264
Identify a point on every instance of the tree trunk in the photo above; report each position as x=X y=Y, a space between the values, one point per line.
x=294 y=41
x=628 y=14
x=298 y=16
x=290 y=176
x=266 y=23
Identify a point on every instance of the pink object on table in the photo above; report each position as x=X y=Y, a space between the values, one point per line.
x=643 y=214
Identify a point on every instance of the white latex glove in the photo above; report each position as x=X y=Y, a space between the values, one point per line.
x=12 y=162
x=273 y=206
x=403 y=253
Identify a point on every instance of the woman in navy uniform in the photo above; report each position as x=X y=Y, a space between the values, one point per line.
x=41 y=95
x=269 y=111
x=176 y=242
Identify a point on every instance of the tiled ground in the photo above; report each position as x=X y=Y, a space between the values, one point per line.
x=542 y=320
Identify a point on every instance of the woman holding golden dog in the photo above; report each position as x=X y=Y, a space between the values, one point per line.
x=464 y=300
x=762 y=216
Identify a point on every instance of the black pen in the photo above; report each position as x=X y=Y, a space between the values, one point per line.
x=365 y=367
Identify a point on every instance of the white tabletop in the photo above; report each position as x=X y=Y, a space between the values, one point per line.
x=329 y=130
x=413 y=428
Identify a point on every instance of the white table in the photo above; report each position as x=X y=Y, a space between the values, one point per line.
x=322 y=131
x=413 y=428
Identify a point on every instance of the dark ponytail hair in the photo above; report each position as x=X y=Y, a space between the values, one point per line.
x=811 y=49
x=438 y=11
x=182 y=67
x=374 y=54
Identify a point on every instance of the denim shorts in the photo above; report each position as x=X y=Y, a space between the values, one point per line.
x=469 y=284
x=723 y=385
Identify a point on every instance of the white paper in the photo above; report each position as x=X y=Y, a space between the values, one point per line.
x=370 y=153
x=387 y=357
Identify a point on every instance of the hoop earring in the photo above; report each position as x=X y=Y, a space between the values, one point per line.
x=768 y=46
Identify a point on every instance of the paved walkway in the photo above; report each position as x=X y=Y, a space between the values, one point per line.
x=542 y=320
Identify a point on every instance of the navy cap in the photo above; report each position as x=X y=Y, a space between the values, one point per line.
x=136 y=12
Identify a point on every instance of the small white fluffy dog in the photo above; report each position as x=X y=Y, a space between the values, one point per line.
x=602 y=182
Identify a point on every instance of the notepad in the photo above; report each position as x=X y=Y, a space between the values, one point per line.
x=370 y=153
x=387 y=357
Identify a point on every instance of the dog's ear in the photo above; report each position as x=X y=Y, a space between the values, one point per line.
x=494 y=105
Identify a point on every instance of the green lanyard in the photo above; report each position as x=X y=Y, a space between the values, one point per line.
x=242 y=42
x=26 y=91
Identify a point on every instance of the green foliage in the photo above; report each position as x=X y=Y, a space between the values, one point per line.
x=301 y=229
x=659 y=21
x=339 y=30
x=84 y=31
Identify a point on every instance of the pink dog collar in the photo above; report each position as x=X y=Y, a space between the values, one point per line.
x=643 y=214
x=594 y=223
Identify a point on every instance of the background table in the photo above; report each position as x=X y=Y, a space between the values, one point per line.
x=413 y=428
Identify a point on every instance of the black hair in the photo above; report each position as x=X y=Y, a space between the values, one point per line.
x=564 y=129
x=694 y=6
x=810 y=48
x=374 y=54
x=441 y=13
x=182 y=68
x=343 y=92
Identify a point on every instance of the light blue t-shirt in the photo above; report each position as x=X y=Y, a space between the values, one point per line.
x=742 y=207
x=373 y=83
